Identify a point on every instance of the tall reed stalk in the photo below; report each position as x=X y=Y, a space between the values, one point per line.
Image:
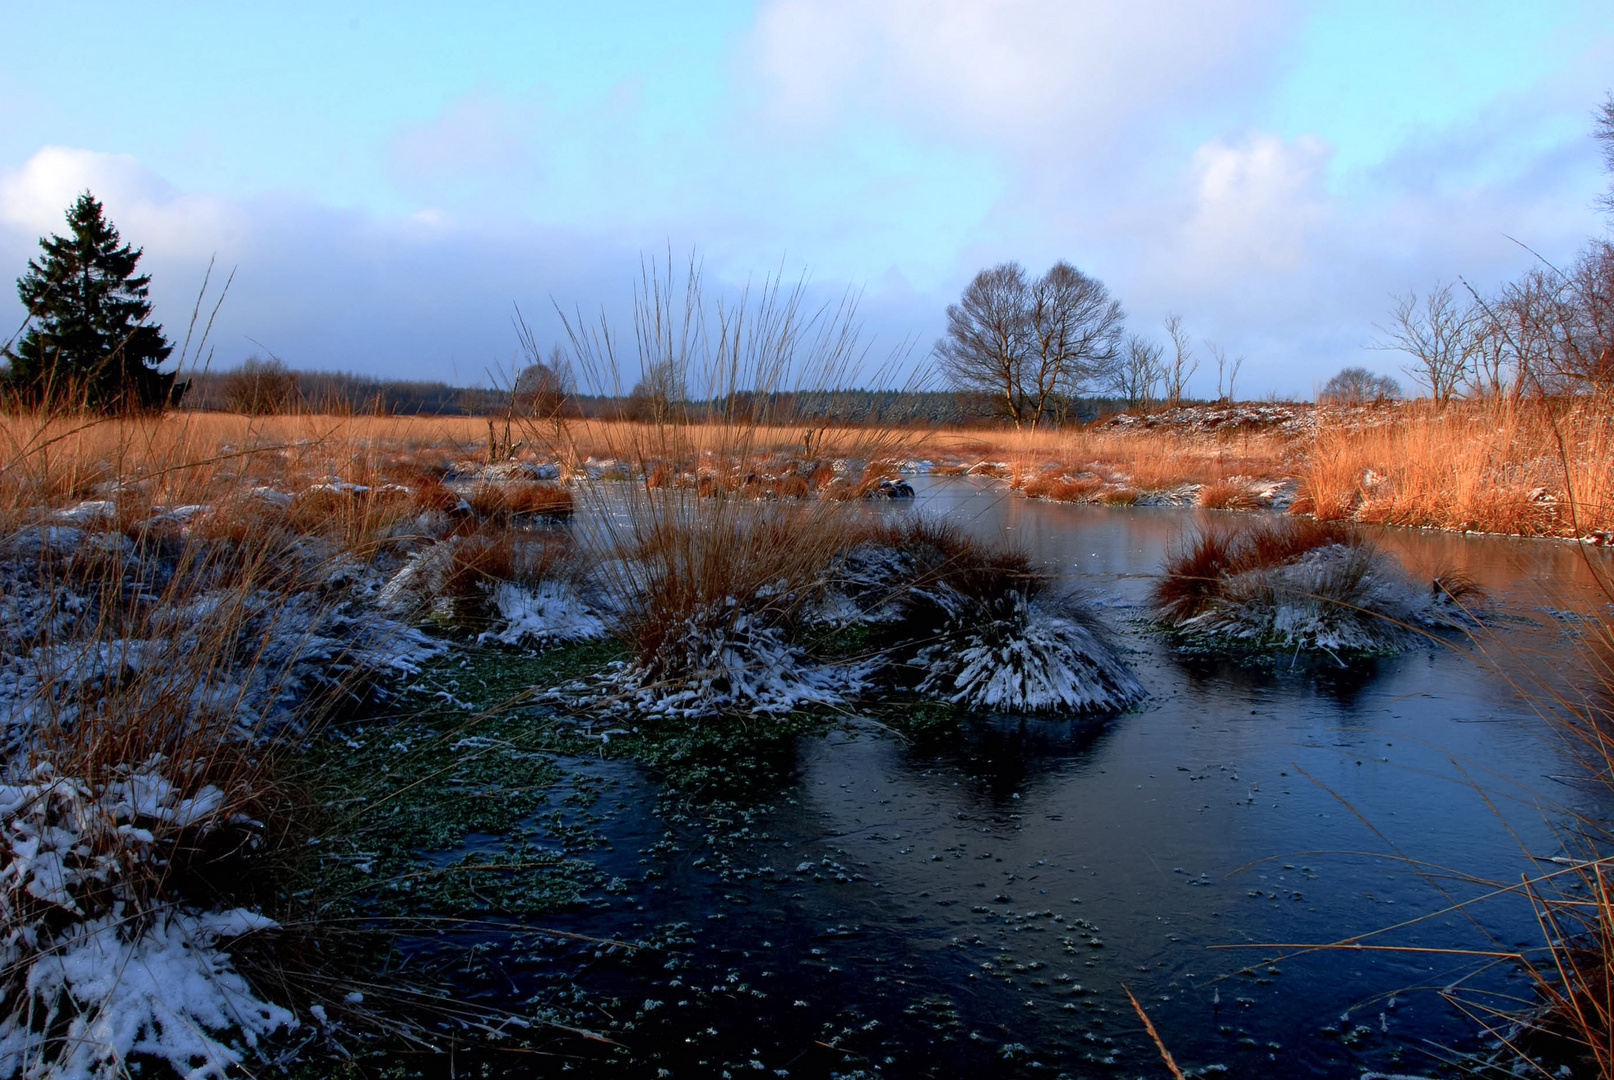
x=708 y=514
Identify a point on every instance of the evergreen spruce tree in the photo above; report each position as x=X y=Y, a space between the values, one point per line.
x=89 y=342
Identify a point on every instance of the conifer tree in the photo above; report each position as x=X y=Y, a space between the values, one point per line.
x=88 y=342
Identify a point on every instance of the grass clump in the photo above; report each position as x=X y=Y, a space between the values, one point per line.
x=1297 y=584
x=976 y=625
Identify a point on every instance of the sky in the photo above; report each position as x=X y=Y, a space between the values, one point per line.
x=388 y=181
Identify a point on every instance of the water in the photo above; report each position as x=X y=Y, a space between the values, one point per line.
x=929 y=911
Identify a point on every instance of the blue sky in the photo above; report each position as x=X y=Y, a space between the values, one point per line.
x=387 y=179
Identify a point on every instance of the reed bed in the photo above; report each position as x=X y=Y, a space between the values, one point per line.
x=1529 y=468
x=1525 y=467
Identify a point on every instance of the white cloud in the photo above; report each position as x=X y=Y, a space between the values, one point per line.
x=481 y=133
x=1255 y=204
x=147 y=209
x=1035 y=74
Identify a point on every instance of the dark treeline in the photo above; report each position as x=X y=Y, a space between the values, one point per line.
x=267 y=389
x=262 y=388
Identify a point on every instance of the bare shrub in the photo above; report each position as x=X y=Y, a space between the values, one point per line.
x=261 y=388
x=1358 y=385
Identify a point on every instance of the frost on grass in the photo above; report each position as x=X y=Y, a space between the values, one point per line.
x=975 y=624
x=94 y=978
x=1025 y=656
x=267 y=653
x=723 y=659
x=1299 y=586
x=86 y=616
x=550 y=613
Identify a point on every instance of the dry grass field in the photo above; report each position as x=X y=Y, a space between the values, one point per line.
x=1531 y=469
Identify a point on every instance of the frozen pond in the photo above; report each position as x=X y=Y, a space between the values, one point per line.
x=916 y=910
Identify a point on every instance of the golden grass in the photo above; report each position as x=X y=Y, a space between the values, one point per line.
x=1515 y=467
x=1149 y=461
x=1532 y=469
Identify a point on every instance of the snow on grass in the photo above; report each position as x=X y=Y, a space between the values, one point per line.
x=268 y=653
x=723 y=660
x=1032 y=658
x=93 y=977
x=551 y=613
x=95 y=1000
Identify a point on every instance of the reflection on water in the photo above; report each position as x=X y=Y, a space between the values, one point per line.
x=909 y=910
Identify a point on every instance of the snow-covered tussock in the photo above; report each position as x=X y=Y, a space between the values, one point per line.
x=550 y=613
x=725 y=660
x=866 y=585
x=972 y=626
x=1337 y=598
x=423 y=576
x=95 y=973
x=453 y=576
x=1031 y=658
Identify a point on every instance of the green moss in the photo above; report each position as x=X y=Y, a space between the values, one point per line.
x=840 y=642
x=472 y=799
x=465 y=758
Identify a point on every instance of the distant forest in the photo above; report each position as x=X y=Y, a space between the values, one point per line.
x=340 y=393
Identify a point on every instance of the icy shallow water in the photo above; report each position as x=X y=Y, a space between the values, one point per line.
x=979 y=906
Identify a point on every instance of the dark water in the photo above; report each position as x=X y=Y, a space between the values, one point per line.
x=979 y=906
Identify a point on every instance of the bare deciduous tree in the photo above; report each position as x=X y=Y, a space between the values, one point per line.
x=1076 y=333
x=655 y=396
x=1182 y=365
x=1227 y=370
x=1354 y=385
x=1433 y=330
x=1490 y=374
x=1033 y=346
x=261 y=387
x=1139 y=371
x=985 y=346
x=1603 y=131
x=542 y=387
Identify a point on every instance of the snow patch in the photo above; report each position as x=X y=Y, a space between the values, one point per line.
x=550 y=614
x=1031 y=659
x=725 y=660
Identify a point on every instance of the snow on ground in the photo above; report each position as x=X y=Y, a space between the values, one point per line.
x=92 y=981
